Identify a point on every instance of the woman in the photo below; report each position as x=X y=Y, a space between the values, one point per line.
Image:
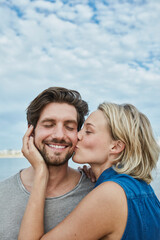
x=118 y=143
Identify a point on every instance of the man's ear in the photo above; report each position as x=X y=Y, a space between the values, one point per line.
x=117 y=147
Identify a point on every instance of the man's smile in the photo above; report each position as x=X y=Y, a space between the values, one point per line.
x=56 y=146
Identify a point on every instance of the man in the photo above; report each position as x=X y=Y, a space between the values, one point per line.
x=56 y=114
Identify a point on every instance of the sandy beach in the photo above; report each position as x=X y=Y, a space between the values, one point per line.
x=18 y=155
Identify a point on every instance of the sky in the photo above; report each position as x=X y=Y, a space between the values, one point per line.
x=107 y=50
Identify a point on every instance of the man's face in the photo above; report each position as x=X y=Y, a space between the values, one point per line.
x=56 y=133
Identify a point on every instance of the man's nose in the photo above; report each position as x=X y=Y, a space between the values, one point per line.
x=58 y=132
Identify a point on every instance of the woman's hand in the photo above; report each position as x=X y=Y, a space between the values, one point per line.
x=32 y=225
x=31 y=152
x=88 y=172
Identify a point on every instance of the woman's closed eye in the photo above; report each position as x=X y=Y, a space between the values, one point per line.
x=88 y=132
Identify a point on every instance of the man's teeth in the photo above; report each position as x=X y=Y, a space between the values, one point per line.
x=56 y=146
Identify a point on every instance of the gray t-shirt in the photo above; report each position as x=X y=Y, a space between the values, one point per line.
x=14 y=198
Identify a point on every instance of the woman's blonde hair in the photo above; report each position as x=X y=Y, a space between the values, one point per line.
x=133 y=128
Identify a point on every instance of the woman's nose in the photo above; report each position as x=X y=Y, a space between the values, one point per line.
x=80 y=135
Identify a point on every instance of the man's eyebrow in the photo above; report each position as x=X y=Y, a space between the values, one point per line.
x=47 y=120
x=52 y=120
x=71 y=121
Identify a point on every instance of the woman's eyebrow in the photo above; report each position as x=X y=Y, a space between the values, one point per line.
x=90 y=124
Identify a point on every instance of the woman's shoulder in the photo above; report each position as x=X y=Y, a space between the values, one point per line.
x=110 y=205
x=131 y=186
x=109 y=190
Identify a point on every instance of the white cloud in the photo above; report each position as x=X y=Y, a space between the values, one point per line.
x=110 y=52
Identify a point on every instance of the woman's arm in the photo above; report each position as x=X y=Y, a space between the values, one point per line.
x=101 y=213
x=32 y=226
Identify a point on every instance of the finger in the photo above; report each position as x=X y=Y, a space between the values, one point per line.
x=31 y=144
x=29 y=131
x=25 y=147
x=34 y=157
x=85 y=169
x=92 y=176
x=27 y=134
x=31 y=148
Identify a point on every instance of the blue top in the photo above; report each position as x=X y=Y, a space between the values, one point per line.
x=143 y=221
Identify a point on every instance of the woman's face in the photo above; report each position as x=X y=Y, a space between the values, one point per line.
x=94 y=140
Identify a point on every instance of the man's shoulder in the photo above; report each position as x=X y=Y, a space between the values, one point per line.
x=9 y=182
x=9 y=179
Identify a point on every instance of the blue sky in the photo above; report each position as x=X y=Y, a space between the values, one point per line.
x=107 y=50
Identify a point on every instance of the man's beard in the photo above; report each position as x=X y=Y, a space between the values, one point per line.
x=56 y=160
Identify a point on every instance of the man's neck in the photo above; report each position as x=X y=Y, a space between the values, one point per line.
x=62 y=179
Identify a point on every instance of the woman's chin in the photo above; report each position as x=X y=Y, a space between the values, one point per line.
x=75 y=158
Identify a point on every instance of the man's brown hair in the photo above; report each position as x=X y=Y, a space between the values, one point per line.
x=58 y=95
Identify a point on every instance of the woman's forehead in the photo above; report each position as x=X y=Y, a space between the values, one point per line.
x=96 y=117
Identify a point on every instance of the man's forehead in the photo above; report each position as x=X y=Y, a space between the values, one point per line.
x=61 y=111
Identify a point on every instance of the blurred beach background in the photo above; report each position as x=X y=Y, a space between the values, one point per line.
x=10 y=166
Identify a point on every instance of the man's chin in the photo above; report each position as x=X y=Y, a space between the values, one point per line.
x=55 y=163
x=56 y=159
